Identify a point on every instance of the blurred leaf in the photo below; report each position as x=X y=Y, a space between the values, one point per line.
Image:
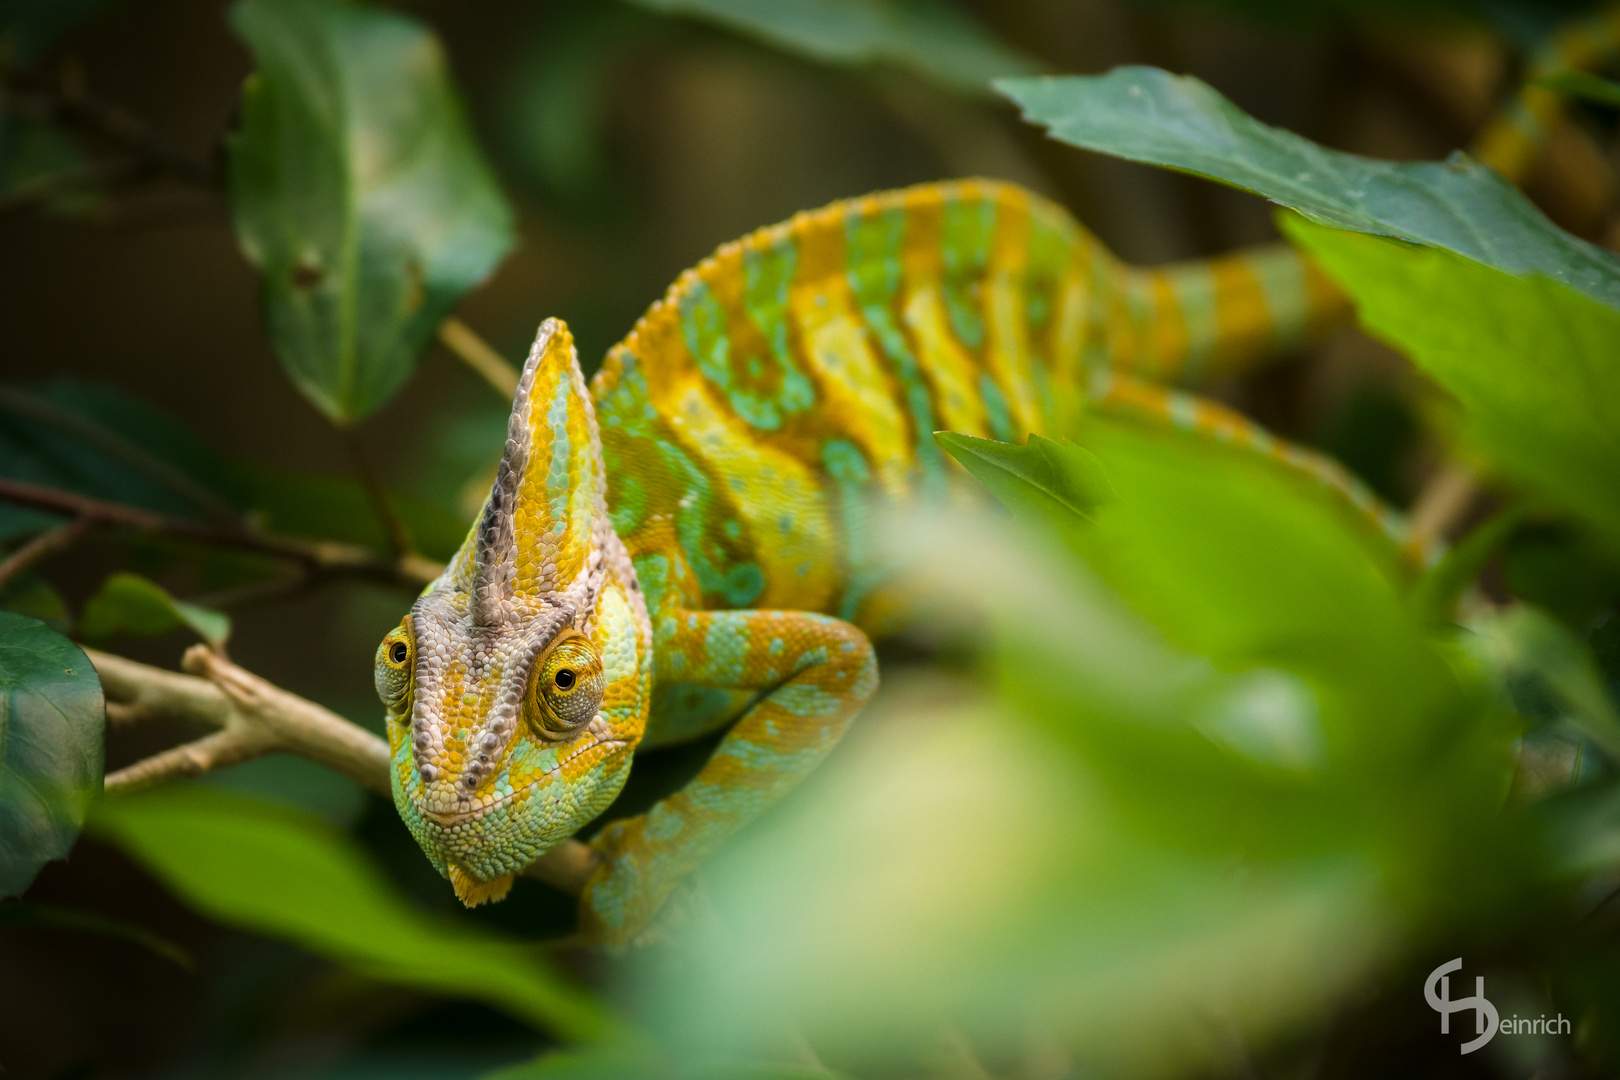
x=359 y=192
x=929 y=38
x=29 y=594
x=1583 y=85
x=60 y=918
x=130 y=604
x=51 y=719
x=97 y=440
x=29 y=27
x=1148 y=115
x=294 y=782
x=1535 y=366
x=41 y=164
x=1437 y=591
x=625 y=1063
x=1047 y=478
x=1522 y=645
x=336 y=508
x=1565 y=570
x=292 y=876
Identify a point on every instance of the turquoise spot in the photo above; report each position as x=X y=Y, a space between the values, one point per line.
x=995 y=409
x=965 y=241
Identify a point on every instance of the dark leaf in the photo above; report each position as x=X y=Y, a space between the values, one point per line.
x=51 y=719
x=1148 y=115
x=359 y=192
x=130 y=604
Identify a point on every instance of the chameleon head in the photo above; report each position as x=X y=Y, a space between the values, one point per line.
x=518 y=686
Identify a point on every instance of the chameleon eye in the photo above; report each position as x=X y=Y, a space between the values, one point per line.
x=393 y=669
x=565 y=689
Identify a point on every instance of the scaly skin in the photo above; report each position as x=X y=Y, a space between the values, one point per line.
x=696 y=524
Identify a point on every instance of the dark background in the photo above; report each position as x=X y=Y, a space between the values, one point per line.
x=631 y=145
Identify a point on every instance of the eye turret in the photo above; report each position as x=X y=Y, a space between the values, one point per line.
x=396 y=662
x=565 y=687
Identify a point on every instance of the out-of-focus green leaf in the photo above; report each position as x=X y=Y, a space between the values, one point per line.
x=336 y=508
x=1523 y=645
x=1050 y=478
x=1437 y=592
x=1535 y=365
x=1585 y=85
x=60 y=918
x=130 y=604
x=1148 y=115
x=359 y=192
x=97 y=440
x=292 y=781
x=292 y=876
x=51 y=719
x=1565 y=570
x=638 y=1063
x=31 y=595
x=29 y=27
x=39 y=164
x=931 y=39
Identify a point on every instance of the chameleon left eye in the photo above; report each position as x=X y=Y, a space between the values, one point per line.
x=565 y=690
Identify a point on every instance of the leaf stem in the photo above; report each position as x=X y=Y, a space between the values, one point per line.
x=400 y=544
x=477 y=354
x=1441 y=504
x=46 y=543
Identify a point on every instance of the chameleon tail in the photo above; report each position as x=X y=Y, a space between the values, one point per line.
x=1201 y=320
x=1123 y=396
x=1514 y=136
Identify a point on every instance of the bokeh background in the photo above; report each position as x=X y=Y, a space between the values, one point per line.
x=631 y=143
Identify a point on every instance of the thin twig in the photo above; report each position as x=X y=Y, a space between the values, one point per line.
x=253 y=717
x=1441 y=504
x=462 y=340
x=48 y=542
x=320 y=557
x=399 y=537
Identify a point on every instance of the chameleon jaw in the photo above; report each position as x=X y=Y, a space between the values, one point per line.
x=472 y=813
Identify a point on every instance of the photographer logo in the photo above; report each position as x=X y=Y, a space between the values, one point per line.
x=1487 y=1022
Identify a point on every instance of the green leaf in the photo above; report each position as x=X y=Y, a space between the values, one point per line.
x=1521 y=644
x=130 y=604
x=51 y=720
x=1148 y=115
x=31 y=595
x=1583 y=84
x=1045 y=478
x=1534 y=365
x=358 y=190
x=1437 y=591
x=292 y=876
x=930 y=39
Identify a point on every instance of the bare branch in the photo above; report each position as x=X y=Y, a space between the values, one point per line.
x=1441 y=504
x=253 y=717
x=52 y=540
x=477 y=354
x=320 y=557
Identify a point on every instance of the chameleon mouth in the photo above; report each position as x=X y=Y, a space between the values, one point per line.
x=472 y=813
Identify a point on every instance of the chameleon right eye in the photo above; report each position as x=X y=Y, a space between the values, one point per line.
x=565 y=689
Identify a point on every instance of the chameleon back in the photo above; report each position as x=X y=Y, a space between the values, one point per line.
x=753 y=414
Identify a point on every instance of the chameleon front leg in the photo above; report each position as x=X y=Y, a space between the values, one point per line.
x=813 y=672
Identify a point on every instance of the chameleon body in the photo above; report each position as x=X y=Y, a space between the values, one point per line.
x=686 y=543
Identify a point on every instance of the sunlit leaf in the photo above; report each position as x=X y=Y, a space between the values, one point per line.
x=130 y=604
x=932 y=39
x=359 y=192
x=51 y=718
x=293 y=876
x=1148 y=115
x=1534 y=365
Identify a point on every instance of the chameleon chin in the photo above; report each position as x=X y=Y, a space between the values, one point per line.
x=683 y=546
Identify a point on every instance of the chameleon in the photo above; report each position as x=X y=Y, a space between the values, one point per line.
x=685 y=544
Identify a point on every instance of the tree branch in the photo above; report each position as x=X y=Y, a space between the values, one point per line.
x=327 y=558
x=253 y=717
x=1441 y=505
x=477 y=354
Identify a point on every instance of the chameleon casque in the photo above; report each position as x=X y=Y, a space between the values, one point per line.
x=685 y=544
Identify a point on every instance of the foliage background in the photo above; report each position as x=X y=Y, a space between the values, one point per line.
x=630 y=144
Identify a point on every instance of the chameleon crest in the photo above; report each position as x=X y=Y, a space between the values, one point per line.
x=517 y=685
